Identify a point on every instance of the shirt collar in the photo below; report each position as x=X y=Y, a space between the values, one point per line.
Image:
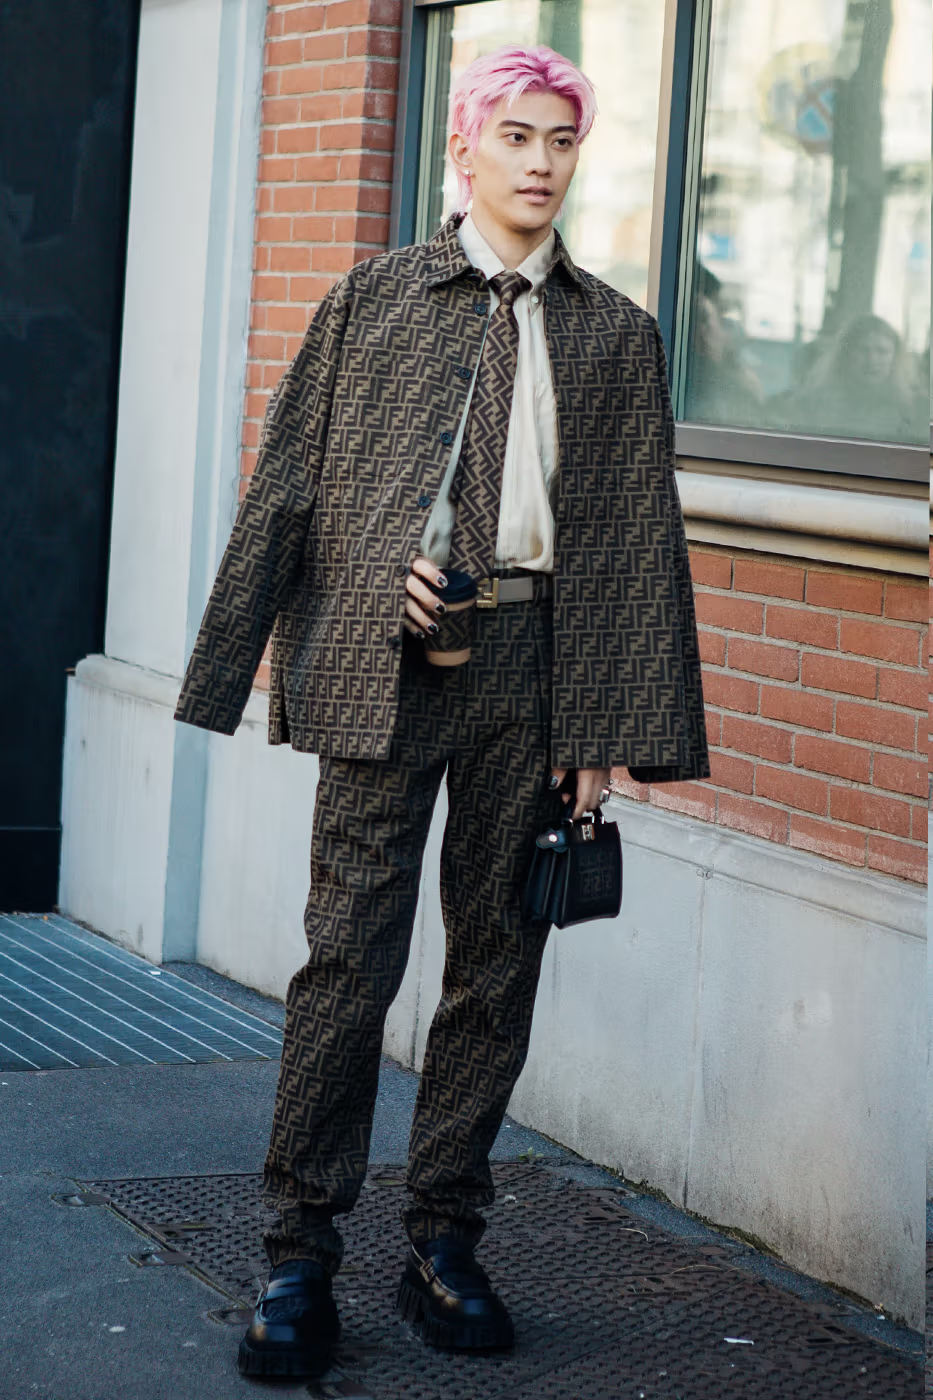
x=446 y=260
x=535 y=267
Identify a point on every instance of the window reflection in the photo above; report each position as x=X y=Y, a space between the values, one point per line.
x=810 y=296
x=606 y=220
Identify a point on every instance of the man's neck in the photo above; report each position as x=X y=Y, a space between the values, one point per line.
x=512 y=245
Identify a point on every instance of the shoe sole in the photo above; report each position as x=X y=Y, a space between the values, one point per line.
x=256 y=1362
x=448 y=1336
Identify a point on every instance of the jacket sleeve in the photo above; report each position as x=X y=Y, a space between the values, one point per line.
x=265 y=549
x=696 y=764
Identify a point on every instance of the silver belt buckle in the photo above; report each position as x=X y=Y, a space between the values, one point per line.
x=488 y=595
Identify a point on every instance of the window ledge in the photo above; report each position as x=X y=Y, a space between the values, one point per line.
x=866 y=529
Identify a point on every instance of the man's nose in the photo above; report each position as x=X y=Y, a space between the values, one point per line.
x=539 y=158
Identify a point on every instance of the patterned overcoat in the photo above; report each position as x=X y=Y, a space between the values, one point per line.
x=354 y=448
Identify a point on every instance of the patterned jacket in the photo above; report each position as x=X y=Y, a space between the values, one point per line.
x=354 y=447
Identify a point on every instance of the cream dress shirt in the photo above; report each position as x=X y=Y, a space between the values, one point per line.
x=526 y=521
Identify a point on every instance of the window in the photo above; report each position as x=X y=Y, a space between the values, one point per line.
x=805 y=263
x=606 y=221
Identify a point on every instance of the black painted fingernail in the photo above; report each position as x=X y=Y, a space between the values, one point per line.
x=433 y=627
x=420 y=634
x=440 y=609
x=553 y=781
x=441 y=581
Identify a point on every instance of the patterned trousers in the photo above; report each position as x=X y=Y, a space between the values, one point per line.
x=488 y=725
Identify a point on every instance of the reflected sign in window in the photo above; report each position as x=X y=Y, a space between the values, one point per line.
x=805 y=271
x=606 y=219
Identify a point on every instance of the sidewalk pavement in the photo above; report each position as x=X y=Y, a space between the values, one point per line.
x=614 y=1292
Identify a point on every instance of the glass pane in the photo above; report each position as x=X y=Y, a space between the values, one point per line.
x=606 y=219
x=809 y=299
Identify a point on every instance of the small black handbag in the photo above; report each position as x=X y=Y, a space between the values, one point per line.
x=576 y=873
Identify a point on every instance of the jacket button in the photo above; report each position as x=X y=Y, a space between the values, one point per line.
x=395 y=642
x=400 y=570
x=481 y=307
x=447 y=438
x=424 y=500
x=464 y=373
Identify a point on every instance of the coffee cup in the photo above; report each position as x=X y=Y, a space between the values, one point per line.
x=450 y=645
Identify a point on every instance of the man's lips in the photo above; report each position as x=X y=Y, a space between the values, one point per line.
x=537 y=191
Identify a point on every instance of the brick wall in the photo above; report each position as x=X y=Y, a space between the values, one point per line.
x=815 y=680
x=330 y=86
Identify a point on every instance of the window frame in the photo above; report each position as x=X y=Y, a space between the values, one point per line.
x=682 y=125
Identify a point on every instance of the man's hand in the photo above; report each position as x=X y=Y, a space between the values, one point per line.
x=590 y=783
x=422 y=607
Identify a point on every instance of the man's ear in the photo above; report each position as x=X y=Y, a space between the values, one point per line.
x=460 y=153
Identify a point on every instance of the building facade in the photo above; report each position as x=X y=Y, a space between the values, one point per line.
x=749 y=1036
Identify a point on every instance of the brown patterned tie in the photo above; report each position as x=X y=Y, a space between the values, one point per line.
x=476 y=489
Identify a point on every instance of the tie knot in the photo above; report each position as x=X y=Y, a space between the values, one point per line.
x=509 y=285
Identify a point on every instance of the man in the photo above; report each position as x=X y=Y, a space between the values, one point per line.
x=477 y=403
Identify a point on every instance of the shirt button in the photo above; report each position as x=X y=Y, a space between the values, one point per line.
x=464 y=373
x=534 y=300
x=447 y=438
x=481 y=307
x=424 y=500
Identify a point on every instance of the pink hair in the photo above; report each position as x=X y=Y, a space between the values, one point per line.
x=503 y=76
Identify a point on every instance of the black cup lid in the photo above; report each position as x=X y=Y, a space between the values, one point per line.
x=461 y=587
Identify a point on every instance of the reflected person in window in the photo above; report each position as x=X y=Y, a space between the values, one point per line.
x=477 y=403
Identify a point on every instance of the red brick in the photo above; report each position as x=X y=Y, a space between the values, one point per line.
x=296 y=138
x=907 y=602
x=763 y=740
x=378 y=43
x=365 y=165
x=886 y=642
x=712 y=648
x=290 y=320
x=326 y=258
x=761 y=659
x=907 y=775
x=283 y=51
x=869 y=809
x=828 y=839
x=338 y=198
x=908 y=688
x=276 y=111
x=792 y=789
x=373 y=199
x=897 y=858
x=266 y=347
x=772 y=580
x=292 y=199
x=275 y=21
x=802 y=625
x=350 y=74
x=272 y=373
x=710 y=570
x=690 y=798
x=735 y=614
x=370 y=136
x=731 y=692
x=276 y=168
x=876 y=726
x=827 y=756
x=845 y=592
x=713 y=727
x=255 y=404
x=328 y=45
x=286 y=258
x=267 y=288
x=381 y=106
x=270 y=81
x=309 y=289
x=263 y=199
x=249 y=435
x=273 y=230
x=322 y=107
x=832 y=673
x=621 y=782
x=356 y=228
x=346 y=13
x=797 y=707
x=754 y=818
x=313 y=228
x=317 y=168
x=300 y=81
x=730 y=772
x=304 y=20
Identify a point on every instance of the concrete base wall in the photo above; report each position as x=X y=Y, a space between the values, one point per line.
x=748 y=1037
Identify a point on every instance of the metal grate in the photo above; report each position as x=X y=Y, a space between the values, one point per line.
x=605 y=1305
x=71 y=999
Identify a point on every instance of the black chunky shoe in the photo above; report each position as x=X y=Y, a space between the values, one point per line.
x=295 y=1326
x=449 y=1300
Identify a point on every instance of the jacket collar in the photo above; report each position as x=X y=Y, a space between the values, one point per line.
x=445 y=260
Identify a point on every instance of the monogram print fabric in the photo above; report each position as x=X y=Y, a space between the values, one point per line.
x=489 y=723
x=477 y=484
x=354 y=451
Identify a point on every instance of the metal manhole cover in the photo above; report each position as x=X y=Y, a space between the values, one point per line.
x=605 y=1305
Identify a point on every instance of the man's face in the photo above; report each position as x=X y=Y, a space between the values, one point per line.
x=524 y=162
